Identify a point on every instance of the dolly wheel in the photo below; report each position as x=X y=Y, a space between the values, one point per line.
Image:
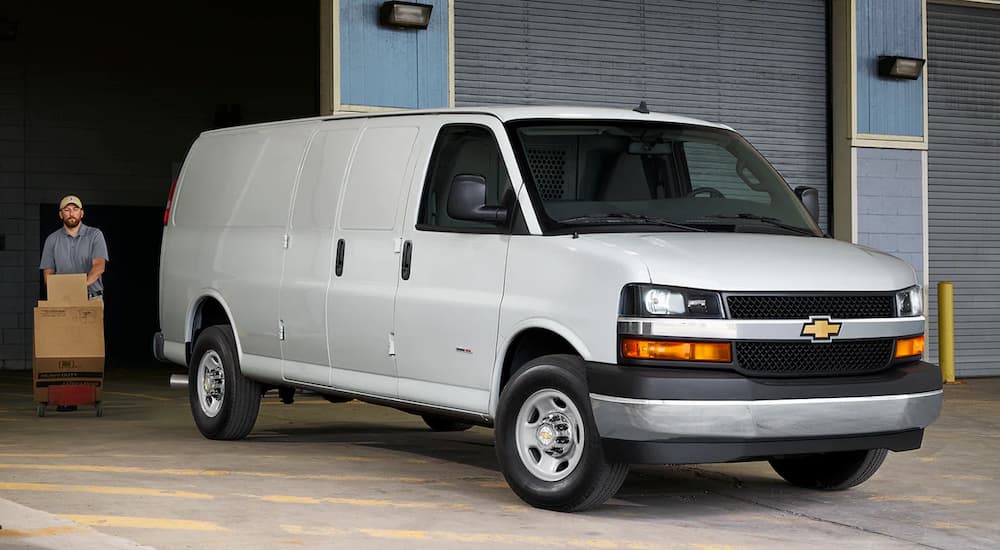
x=40 y=409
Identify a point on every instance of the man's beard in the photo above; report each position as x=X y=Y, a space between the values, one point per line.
x=71 y=222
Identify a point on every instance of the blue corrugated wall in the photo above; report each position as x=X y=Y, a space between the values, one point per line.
x=392 y=68
x=888 y=106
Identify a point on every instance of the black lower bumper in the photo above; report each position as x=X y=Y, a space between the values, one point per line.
x=705 y=452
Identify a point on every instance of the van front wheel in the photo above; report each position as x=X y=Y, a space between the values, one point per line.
x=830 y=471
x=547 y=441
x=224 y=403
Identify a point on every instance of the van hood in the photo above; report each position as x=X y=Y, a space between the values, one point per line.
x=740 y=262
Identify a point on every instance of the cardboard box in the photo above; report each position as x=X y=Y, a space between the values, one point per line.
x=66 y=290
x=69 y=338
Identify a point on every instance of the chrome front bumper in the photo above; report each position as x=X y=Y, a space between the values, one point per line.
x=632 y=419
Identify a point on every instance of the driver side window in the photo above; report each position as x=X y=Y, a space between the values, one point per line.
x=463 y=149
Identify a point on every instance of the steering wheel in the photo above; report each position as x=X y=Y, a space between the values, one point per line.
x=710 y=191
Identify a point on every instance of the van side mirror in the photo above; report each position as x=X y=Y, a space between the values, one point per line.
x=467 y=201
x=809 y=197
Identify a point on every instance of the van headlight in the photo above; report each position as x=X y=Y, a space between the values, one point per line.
x=910 y=302
x=666 y=301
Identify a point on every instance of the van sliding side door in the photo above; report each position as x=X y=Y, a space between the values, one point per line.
x=310 y=246
x=452 y=272
x=361 y=298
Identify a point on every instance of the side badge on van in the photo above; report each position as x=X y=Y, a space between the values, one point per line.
x=820 y=329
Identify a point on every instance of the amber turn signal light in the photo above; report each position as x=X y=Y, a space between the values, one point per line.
x=666 y=350
x=909 y=347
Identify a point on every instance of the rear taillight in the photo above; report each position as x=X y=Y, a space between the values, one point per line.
x=170 y=201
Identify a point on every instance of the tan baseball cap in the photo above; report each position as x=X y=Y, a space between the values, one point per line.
x=70 y=199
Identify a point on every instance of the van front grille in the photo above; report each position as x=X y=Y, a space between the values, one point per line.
x=794 y=306
x=813 y=359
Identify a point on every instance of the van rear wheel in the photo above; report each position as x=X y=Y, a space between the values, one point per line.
x=224 y=403
x=547 y=441
x=830 y=471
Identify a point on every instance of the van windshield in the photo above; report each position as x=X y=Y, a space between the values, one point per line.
x=616 y=175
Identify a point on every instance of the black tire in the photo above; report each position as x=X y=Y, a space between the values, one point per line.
x=587 y=478
x=444 y=424
x=227 y=410
x=830 y=471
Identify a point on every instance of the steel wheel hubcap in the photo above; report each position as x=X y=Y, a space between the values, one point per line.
x=549 y=435
x=211 y=383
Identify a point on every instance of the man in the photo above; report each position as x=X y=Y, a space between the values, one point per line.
x=76 y=248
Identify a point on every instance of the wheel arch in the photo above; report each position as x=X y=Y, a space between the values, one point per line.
x=530 y=341
x=209 y=309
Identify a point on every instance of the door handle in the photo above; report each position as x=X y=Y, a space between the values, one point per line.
x=407 y=255
x=339 y=266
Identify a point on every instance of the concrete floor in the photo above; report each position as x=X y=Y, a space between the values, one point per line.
x=315 y=474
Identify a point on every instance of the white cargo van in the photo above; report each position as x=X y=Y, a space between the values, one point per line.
x=603 y=287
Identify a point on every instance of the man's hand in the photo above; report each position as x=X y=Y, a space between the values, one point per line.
x=96 y=269
x=45 y=275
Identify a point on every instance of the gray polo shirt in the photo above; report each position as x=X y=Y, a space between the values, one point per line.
x=67 y=254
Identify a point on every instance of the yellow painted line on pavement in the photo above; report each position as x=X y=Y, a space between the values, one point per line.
x=516 y=508
x=923 y=499
x=101 y=490
x=206 y=473
x=947 y=525
x=142 y=395
x=471 y=538
x=494 y=484
x=43 y=532
x=361 y=502
x=967 y=477
x=144 y=522
x=33 y=455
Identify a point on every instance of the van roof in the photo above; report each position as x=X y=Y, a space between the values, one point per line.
x=507 y=113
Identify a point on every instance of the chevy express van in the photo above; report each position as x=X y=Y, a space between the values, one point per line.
x=603 y=287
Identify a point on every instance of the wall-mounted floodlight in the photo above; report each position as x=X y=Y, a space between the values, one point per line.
x=895 y=66
x=405 y=15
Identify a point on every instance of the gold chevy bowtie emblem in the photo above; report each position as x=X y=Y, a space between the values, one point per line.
x=820 y=328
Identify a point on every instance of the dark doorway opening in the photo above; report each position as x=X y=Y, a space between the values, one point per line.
x=131 y=281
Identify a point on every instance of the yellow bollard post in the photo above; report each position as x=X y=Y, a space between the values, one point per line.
x=946 y=331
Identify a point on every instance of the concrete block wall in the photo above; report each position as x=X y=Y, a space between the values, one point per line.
x=890 y=203
x=13 y=242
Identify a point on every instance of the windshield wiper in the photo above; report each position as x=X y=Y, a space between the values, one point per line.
x=627 y=218
x=768 y=220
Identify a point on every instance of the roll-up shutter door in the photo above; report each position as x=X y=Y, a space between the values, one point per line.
x=963 y=64
x=760 y=67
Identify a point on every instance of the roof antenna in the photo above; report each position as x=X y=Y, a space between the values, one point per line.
x=642 y=108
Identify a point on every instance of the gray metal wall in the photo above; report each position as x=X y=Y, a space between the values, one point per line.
x=760 y=67
x=964 y=178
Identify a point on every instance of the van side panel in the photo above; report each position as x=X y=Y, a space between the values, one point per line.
x=230 y=213
x=562 y=284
